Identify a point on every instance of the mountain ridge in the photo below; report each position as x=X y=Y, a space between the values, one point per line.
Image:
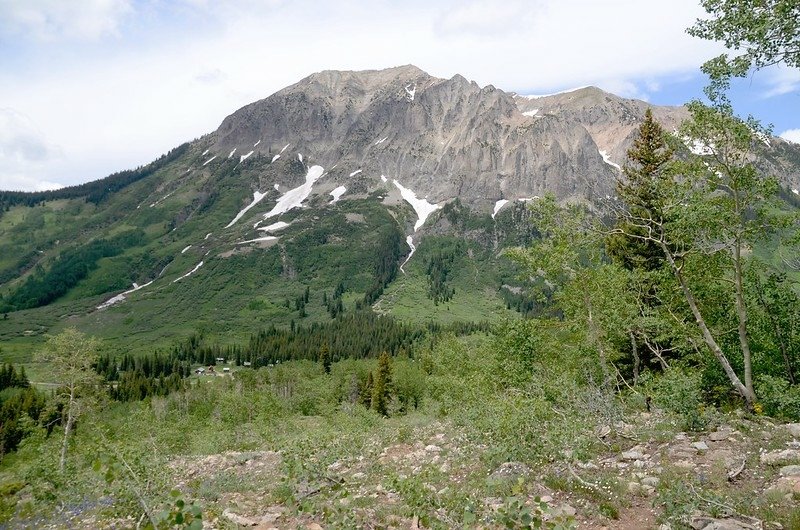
x=343 y=177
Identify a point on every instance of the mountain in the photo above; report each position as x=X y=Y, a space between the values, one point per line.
x=387 y=189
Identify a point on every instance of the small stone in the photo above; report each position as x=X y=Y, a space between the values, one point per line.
x=718 y=436
x=564 y=510
x=237 y=519
x=313 y=526
x=433 y=448
x=790 y=471
x=358 y=476
x=650 y=481
x=775 y=458
x=700 y=446
x=648 y=490
x=444 y=468
x=634 y=488
x=787 y=485
x=793 y=428
x=632 y=455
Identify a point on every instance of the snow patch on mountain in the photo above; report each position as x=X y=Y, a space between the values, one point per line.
x=284 y=149
x=607 y=159
x=338 y=192
x=274 y=227
x=531 y=113
x=207 y=235
x=209 y=160
x=230 y=155
x=410 y=243
x=274 y=158
x=300 y=156
x=410 y=92
x=258 y=239
x=205 y=152
x=421 y=206
x=379 y=142
x=161 y=199
x=256 y=144
x=188 y=273
x=244 y=157
x=257 y=196
x=356 y=172
x=384 y=179
x=185 y=249
x=499 y=204
x=295 y=197
x=121 y=297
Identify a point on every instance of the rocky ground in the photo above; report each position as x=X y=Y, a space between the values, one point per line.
x=743 y=474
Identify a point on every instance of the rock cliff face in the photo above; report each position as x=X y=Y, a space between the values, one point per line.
x=446 y=138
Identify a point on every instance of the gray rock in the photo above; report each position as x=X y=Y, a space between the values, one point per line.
x=237 y=519
x=704 y=522
x=790 y=471
x=778 y=458
x=700 y=446
x=793 y=428
x=632 y=455
x=650 y=481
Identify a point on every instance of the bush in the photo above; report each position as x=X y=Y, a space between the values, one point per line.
x=681 y=392
x=778 y=397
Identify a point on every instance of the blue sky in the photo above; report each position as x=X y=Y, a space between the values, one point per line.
x=95 y=86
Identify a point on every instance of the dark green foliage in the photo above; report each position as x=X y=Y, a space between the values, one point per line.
x=95 y=191
x=17 y=402
x=354 y=335
x=325 y=357
x=388 y=252
x=640 y=192
x=70 y=267
x=438 y=269
x=382 y=385
x=135 y=386
x=11 y=378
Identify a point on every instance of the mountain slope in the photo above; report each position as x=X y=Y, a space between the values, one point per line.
x=336 y=184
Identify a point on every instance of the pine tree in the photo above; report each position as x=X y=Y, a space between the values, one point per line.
x=325 y=357
x=366 y=392
x=639 y=190
x=381 y=391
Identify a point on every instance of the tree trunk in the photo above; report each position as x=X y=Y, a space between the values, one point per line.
x=67 y=428
x=708 y=338
x=741 y=313
x=594 y=334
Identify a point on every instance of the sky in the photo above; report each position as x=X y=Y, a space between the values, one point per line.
x=91 y=87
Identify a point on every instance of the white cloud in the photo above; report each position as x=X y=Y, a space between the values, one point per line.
x=791 y=135
x=26 y=183
x=50 y=20
x=24 y=151
x=114 y=107
x=780 y=80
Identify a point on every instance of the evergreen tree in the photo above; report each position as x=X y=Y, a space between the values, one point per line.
x=325 y=357
x=366 y=392
x=381 y=390
x=644 y=176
